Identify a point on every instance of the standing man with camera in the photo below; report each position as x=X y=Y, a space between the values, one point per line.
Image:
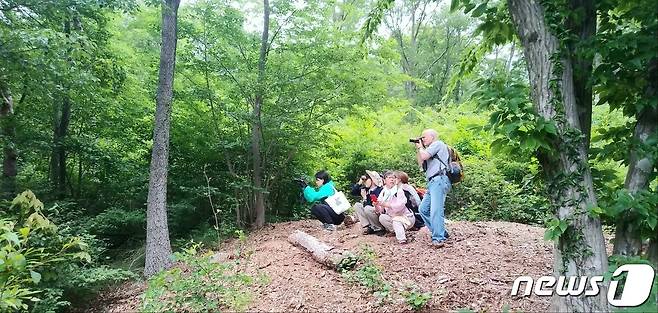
x=430 y=152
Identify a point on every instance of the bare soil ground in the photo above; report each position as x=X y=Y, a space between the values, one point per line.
x=474 y=271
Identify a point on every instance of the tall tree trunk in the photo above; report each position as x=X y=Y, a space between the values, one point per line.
x=256 y=126
x=580 y=250
x=583 y=26
x=158 y=247
x=640 y=167
x=627 y=238
x=10 y=156
x=79 y=191
x=406 y=64
x=61 y=119
x=338 y=14
x=510 y=60
x=653 y=252
x=448 y=62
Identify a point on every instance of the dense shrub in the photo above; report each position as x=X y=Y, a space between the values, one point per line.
x=44 y=267
x=117 y=225
x=32 y=254
x=198 y=284
x=485 y=194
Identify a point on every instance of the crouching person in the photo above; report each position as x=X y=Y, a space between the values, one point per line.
x=320 y=209
x=395 y=216
x=368 y=188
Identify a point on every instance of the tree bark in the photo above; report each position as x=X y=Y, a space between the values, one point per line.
x=640 y=167
x=321 y=252
x=61 y=120
x=10 y=156
x=653 y=252
x=59 y=149
x=158 y=247
x=446 y=67
x=508 y=66
x=580 y=251
x=627 y=238
x=256 y=126
x=583 y=25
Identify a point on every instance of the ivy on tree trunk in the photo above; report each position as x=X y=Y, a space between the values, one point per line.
x=580 y=250
x=628 y=240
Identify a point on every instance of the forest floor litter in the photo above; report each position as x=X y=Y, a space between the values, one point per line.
x=474 y=271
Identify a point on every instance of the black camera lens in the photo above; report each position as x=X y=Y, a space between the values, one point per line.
x=414 y=140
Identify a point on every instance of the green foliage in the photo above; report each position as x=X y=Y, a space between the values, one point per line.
x=519 y=130
x=198 y=284
x=487 y=194
x=495 y=28
x=369 y=275
x=118 y=225
x=331 y=101
x=555 y=228
x=32 y=251
x=614 y=262
x=415 y=299
x=88 y=281
x=347 y=263
x=637 y=209
x=627 y=46
x=51 y=300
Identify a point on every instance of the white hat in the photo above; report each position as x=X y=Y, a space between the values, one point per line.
x=376 y=179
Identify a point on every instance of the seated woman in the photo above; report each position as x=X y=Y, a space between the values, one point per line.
x=403 y=181
x=395 y=216
x=368 y=188
x=320 y=209
x=413 y=199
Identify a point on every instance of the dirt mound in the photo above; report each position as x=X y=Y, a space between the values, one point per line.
x=474 y=271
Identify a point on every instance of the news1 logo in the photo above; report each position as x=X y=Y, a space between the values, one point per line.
x=636 y=289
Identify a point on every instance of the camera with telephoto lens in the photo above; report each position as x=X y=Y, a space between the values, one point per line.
x=301 y=182
x=414 y=140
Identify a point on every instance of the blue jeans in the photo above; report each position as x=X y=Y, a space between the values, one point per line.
x=433 y=205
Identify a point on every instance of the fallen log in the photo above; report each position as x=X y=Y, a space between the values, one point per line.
x=323 y=253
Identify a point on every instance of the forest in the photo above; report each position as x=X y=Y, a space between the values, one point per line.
x=134 y=131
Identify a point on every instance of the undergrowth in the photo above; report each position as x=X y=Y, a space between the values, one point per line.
x=199 y=284
x=370 y=275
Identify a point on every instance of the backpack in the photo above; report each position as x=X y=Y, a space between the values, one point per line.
x=421 y=192
x=414 y=209
x=454 y=168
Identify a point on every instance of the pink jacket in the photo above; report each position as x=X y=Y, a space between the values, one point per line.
x=398 y=204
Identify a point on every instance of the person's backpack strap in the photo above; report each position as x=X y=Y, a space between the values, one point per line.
x=436 y=156
x=410 y=205
x=406 y=195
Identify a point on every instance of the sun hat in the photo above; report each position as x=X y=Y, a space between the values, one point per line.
x=376 y=178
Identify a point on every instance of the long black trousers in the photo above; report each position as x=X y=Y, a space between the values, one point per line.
x=326 y=214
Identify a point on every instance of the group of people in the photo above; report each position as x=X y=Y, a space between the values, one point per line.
x=387 y=205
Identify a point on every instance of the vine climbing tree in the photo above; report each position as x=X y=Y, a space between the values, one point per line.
x=580 y=247
x=562 y=120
